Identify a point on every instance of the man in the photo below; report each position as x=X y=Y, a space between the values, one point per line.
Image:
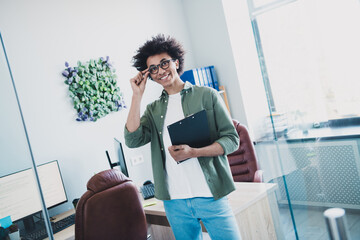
x=194 y=189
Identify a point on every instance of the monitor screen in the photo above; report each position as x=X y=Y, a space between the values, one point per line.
x=120 y=153
x=19 y=194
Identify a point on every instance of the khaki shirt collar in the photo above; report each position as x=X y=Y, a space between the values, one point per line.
x=187 y=87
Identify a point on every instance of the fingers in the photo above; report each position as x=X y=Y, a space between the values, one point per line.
x=176 y=147
x=138 y=78
x=179 y=152
x=143 y=79
x=143 y=75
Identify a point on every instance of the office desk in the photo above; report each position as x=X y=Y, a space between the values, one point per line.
x=254 y=206
x=67 y=233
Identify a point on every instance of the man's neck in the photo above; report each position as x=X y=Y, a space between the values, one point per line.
x=176 y=87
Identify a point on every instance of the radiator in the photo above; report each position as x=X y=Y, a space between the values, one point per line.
x=319 y=173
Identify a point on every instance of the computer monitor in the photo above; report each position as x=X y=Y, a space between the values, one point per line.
x=120 y=153
x=19 y=194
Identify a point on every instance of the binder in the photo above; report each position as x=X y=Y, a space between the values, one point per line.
x=205 y=76
x=205 y=79
x=214 y=78
x=188 y=76
x=196 y=77
x=192 y=130
x=208 y=77
x=201 y=80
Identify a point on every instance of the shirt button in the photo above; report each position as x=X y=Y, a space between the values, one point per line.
x=159 y=132
x=165 y=100
x=162 y=116
x=162 y=149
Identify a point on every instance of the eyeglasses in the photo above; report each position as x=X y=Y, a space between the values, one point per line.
x=153 y=69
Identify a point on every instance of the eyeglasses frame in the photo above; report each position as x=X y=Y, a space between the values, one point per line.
x=159 y=65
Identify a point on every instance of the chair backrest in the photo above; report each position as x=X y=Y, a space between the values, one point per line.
x=110 y=209
x=243 y=162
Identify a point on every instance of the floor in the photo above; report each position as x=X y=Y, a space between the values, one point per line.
x=310 y=223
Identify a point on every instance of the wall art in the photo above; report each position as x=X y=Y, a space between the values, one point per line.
x=92 y=87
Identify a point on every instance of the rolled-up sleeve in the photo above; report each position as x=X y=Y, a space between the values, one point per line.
x=228 y=137
x=140 y=136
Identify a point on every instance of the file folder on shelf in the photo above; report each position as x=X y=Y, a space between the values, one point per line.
x=196 y=77
x=214 y=77
x=205 y=76
x=188 y=76
x=202 y=81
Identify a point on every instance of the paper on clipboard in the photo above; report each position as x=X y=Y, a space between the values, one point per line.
x=192 y=130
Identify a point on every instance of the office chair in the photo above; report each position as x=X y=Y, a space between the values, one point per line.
x=243 y=163
x=110 y=209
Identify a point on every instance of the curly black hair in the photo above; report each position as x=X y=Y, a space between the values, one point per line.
x=157 y=45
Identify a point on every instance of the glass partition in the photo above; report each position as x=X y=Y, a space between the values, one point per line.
x=20 y=194
x=308 y=51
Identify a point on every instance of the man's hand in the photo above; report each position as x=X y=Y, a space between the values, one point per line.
x=138 y=82
x=181 y=152
x=138 y=86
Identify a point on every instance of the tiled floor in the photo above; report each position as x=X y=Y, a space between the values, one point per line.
x=310 y=224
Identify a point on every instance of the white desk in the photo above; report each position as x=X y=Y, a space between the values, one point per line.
x=254 y=206
x=69 y=232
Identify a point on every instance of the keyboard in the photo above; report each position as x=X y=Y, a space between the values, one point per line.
x=148 y=191
x=56 y=227
x=63 y=223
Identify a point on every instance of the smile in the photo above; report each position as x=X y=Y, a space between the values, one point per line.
x=164 y=77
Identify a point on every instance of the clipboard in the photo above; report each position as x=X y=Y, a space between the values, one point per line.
x=192 y=130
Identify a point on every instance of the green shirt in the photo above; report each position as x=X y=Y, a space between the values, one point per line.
x=194 y=99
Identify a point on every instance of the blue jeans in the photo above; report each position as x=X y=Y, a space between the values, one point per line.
x=184 y=216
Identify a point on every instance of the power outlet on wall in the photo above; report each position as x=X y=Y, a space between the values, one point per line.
x=137 y=160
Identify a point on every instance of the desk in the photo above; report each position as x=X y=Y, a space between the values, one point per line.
x=67 y=233
x=254 y=206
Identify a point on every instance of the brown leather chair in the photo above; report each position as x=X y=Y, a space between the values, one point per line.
x=243 y=162
x=110 y=209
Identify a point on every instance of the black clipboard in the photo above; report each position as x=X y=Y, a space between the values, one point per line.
x=192 y=130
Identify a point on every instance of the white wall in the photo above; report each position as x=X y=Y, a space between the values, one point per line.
x=211 y=46
x=247 y=66
x=41 y=35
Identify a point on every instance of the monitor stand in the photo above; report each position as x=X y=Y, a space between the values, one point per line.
x=29 y=223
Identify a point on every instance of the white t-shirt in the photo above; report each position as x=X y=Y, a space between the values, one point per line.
x=185 y=180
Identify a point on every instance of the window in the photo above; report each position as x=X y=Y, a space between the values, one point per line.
x=309 y=51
